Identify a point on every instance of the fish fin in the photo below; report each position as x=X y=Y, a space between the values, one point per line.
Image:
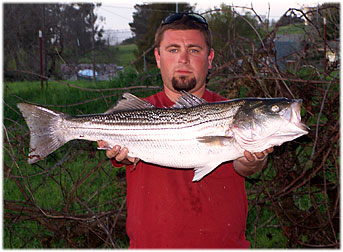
x=131 y=102
x=187 y=100
x=215 y=140
x=45 y=137
x=201 y=172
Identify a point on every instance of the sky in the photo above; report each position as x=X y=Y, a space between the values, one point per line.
x=117 y=15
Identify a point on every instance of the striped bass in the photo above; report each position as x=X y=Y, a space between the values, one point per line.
x=192 y=134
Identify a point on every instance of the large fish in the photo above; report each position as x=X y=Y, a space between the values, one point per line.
x=193 y=134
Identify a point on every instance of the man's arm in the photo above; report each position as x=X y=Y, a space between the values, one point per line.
x=251 y=162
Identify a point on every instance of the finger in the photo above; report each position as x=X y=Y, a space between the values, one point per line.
x=113 y=152
x=122 y=154
x=263 y=154
x=260 y=155
x=270 y=150
x=249 y=156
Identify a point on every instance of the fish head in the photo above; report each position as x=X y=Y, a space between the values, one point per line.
x=263 y=123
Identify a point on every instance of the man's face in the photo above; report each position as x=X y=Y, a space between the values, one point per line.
x=184 y=60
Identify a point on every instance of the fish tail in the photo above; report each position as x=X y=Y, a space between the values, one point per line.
x=45 y=135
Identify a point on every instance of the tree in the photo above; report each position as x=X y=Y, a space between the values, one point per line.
x=330 y=11
x=292 y=18
x=66 y=32
x=231 y=30
x=21 y=25
x=146 y=20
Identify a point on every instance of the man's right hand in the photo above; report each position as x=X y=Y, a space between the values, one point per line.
x=117 y=153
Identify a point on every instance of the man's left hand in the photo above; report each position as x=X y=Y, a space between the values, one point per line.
x=251 y=162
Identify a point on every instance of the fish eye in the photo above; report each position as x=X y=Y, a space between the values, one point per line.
x=275 y=108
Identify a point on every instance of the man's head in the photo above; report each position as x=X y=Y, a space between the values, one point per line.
x=184 y=21
x=184 y=52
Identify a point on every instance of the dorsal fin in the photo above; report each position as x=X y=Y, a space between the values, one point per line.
x=187 y=100
x=130 y=102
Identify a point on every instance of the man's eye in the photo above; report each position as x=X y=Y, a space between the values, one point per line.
x=194 y=50
x=173 y=50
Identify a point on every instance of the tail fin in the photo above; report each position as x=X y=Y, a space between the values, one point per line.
x=45 y=134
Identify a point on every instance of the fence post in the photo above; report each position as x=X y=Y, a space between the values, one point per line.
x=41 y=58
x=324 y=65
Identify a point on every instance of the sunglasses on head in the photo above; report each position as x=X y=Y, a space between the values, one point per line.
x=193 y=16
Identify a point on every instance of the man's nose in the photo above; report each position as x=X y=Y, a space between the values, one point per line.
x=184 y=57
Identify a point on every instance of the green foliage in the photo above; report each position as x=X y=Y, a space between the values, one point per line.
x=220 y=24
x=263 y=230
x=331 y=11
x=62 y=94
x=228 y=28
x=54 y=189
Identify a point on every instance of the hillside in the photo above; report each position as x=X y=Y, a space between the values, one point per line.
x=121 y=55
x=124 y=54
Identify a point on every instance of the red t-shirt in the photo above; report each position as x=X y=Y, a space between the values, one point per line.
x=165 y=209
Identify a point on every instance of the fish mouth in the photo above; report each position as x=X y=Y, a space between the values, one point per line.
x=293 y=115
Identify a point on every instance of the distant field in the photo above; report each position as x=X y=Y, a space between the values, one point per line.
x=291 y=29
x=122 y=55
x=125 y=54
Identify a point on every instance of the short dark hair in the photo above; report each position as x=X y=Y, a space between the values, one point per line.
x=184 y=23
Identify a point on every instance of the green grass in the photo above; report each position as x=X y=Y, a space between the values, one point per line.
x=62 y=96
x=125 y=54
x=122 y=55
x=292 y=29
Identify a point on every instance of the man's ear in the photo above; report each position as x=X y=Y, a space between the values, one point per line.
x=210 y=58
x=157 y=57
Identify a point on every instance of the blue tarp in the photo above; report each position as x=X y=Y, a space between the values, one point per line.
x=87 y=73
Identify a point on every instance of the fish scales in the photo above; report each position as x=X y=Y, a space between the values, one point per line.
x=156 y=119
x=123 y=126
x=159 y=116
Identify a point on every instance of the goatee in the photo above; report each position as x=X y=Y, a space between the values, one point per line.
x=183 y=83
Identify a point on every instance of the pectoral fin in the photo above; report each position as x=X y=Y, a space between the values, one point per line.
x=215 y=140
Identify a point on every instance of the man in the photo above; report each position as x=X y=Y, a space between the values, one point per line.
x=165 y=208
